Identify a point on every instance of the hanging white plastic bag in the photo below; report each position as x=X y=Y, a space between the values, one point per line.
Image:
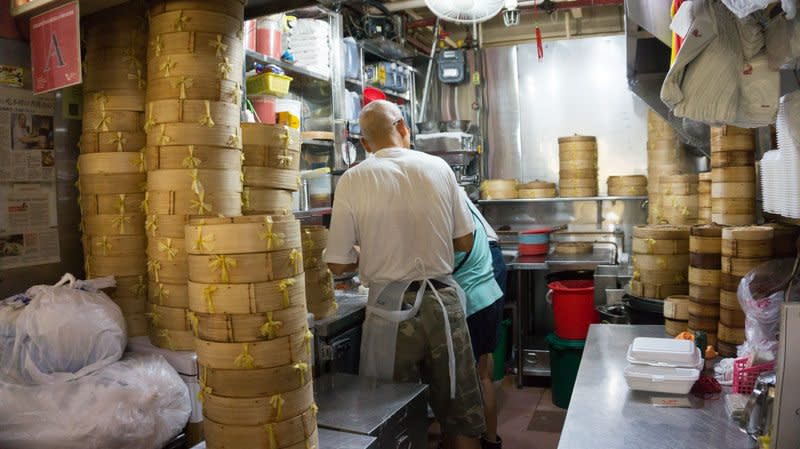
x=67 y=330
x=743 y=8
x=139 y=402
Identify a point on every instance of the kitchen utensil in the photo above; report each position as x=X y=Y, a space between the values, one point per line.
x=456 y=125
x=427 y=127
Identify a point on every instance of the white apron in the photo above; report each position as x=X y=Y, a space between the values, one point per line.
x=383 y=316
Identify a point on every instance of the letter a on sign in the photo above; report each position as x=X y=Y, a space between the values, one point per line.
x=55 y=48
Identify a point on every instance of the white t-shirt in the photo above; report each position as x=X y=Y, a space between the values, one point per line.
x=490 y=232
x=401 y=207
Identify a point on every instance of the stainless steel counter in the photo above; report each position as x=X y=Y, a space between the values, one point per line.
x=332 y=439
x=600 y=256
x=605 y=414
x=350 y=311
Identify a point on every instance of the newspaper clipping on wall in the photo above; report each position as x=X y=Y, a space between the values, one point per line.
x=28 y=212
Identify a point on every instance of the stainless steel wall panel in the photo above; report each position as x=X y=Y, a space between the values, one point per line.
x=503 y=104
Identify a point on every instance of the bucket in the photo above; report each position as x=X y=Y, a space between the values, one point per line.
x=565 y=359
x=268 y=37
x=265 y=108
x=250 y=34
x=500 y=354
x=573 y=308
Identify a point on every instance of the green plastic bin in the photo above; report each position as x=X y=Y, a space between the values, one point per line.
x=500 y=354
x=565 y=359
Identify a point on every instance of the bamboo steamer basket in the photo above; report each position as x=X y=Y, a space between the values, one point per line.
x=730 y=206
x=200 y=43
x=300 y=431
x=159 y=226
x=577 y=142
x=194 y=134
x=258 y=411
x=117 y=57
x=536 y=193
x=573 y=248
x=245 y=268
x=313 y=260
x=112 y=204
x=735 y=190
x=192 y=156
x=657 y=291
x=264 y=156
x=251 y=327
x=323 y=309
x=661 y=232
x=197 y=87
x=627 y=185
x=168 y=271
x=704 y=216
x=257 y=200
x=131 y=33
x=704 y=278
x=733 y=220
x=241 y=235
x=113 y=100
x=233 y=8
x=661 y=277
x=498 y=189
x=720 y=144
x=129 y=287
x=204 y=113
x=112 y=184
x=274 y=136
x=705 y=261
x=703 y=310
x=733 y=159
x=186 y=202
x=130 y=265
x=647 y=262
x=577 y=192
x=168 y=295
x=273 y=178
x=112 y=141
x=726 y=349
x=675 y=327
x=581 y=165
x=681 y=203
x=705 y=239
x=169 y=317
x=732 y=318
x=679 y=184
x=116 y=245
x=195 y=20
x=730 y=335
x=704 y=178
x=187 y=64
x=729 y=282
x=653 y=246
x=319 y=285
x=131 y=306
x=680 y=219
x=188 y=180
x=110 y=163
x=740 y=267
x=729 y=300
x=578 y=183
x=705 y=295
x=253 y=383
x=728 y=130
x=135 y=325
x=584 y=175
x=705 y=324
x=784 y=240
x=166 y=248
x=116 y=77
x=125 y=224
x=747 y=242
x=314 y=237
x=104 y=121
x=704 y=202
x=171 y=339
x=734 y=174
x=247 y=298
x=260 y=354
x=677 y=307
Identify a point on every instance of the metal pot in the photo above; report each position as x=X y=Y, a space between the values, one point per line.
x=456 y=125
x=427 y=127
x=613 y=314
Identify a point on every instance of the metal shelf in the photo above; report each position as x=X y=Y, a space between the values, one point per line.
x=353 y=82
x=561 y=200
x=299 y=214
x=291 y=69
x=318 y=142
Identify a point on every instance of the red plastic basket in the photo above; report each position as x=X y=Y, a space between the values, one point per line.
x=744 y=376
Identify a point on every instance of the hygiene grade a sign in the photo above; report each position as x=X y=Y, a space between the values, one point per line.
x=55 y=48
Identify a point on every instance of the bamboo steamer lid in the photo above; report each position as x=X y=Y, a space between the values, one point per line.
x=104 y=121
x=186 y=202
x=131 y=306
x=675 y=262
x=204 y=113
x=706 y=238
x=704 y=216
x=258 y=382
x=245 y=268
x=582 y=140
x=159 y=226
x=171 y=339
x=577 y=192
x=729 y=300
x=194 y=134
x=736 y=190
x=537 y=185
x=677 y=307
x=705 y=295
x=257 y=200
x=704 y=278
x=172 y=271
x=652 y=246
x=111 y=204
x=661 y=232
x=197 y=87
x=130 y=265
x=251 y=327
x=260 y=354
x=110 y=163
x=720 y=144
x=758 y=234
x=733 y=220
x=136 y=325
x=577 y=165
x=119 y=224
x=192 y=179
x=168 y=295
x=166 y=248
x=731 y=206
x=577 y=183
x=675 y=327
x=247 y=298
x=537 y=193
x=272 y=178
x=168 y=317
x=113 y=100
x=247 y=234
x=734 y=174
x=193 y=156
x=703 y=310
x=112 y=141
x=732 y=318
x=661 y=277
x=733 y=159
x=740 y=267
x=705 y=324
x=730 y=334
x=264 y=156
x=187 y=64
x=116 y=245
x=705 y=261
x=110 y=184
x=195 y=20
x=729 y=282
x=657 y=291
x=199 y=43
x=300 y=430
x=573 y=247
x=274 y=136
x=258 y=411
x=498 y=189
x=130 y=287
x=627 y=190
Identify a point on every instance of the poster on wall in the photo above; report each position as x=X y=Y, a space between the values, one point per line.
x=55 y=48
x=28 y=211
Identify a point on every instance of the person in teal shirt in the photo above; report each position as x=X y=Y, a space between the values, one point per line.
x=474 y=272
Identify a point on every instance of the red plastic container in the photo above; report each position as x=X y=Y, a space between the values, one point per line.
x=573 y=308
x=371 y=94
x=268 y=37
x=745 y=377
x=265 y=107
x=250 y=34
x=533 y=249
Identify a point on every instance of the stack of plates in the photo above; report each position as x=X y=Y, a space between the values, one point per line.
x=788 y=190
x=771 y=174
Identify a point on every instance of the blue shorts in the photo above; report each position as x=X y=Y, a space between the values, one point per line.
x=484 y=326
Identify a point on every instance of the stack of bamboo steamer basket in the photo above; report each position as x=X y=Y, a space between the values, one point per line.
x=112 y=173
x=665 y=156
x=676 y=314
x=733 y=176
x=679 y=200
x=248 y=314
x=271 y=167
x=743 y=249
x=705 y=247
x=194 y=155
x=499 y=189
x=320 y=297
x=577 y=160
x=632 y=185
x=704 y=198
x=660 y=261
x=536 y=189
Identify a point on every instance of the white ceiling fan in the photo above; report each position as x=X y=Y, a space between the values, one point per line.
x=465 y=11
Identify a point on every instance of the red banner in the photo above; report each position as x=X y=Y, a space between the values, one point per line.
x=55 y=48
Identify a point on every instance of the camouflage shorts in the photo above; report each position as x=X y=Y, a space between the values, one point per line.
x=422 y=355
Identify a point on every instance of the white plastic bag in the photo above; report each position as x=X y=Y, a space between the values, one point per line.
x=743 y=8
x=67 y=330
x=139 y=402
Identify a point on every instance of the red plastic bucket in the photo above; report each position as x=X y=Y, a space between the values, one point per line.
x=573 y=308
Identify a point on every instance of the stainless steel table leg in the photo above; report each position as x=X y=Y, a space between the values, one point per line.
x=522 y=327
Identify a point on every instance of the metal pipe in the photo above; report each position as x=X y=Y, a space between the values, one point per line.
x=427 y=88
x=408 y=4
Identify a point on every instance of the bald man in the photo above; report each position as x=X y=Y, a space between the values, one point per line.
x=404 y=210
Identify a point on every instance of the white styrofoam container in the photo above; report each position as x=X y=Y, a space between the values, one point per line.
x=661 y=379
x=666 y=352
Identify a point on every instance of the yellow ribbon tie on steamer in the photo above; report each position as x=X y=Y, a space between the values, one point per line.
x=283 y=287
x=183 y=83
x=314 y=409
x=119 y=140
x=223 y=264
x=139 y=161
x=151 y=119
x=270 y=237
x=161 y=293
x=224 y=68
x=157 y=45
x=144 y=206
x=302 y=369
x=101 y=99
x=203 y=243
x=650 y=242
x=200 y=204
x=197 y=186
x=119 y=222
x=104 y=244
x=206 y=119
x=296 y=260
x=680 y=278
x=284 y=160
x=234 y=139
x=121 y=203
x=105 y=120
x=181 y=21
x=154 y=267
x=191 y=161
x=164 y=333
x=307 y=340
x=270 y=328
x=141 y=83
x=308 y=242
x=208 y=296
x=167 y=66
x=166 y=246
x=246 y=199
x=163 y=138
x=151 y=224
x=273 y=443
x=204 y=388
x=277 y=404
x=219 y=46
x=140 y=288
x=661 y=263
x=236 y=95
x=155 y=318
x=245 y=360
x=193 y=321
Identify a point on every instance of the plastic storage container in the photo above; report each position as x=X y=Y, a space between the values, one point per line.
x=665 y=352
x=573 y=308
x=269 y=83
x=268 y=37
x=265 y=107
x=294 y=107
x=319 y=191
x=660 y=379
x=250 y=34
x=565 y=359
x=352 y=60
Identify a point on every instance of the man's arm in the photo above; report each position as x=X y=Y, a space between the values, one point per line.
x=341 y=255
x=464 y=243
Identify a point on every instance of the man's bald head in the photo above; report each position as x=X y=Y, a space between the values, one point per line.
x=382 y=126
